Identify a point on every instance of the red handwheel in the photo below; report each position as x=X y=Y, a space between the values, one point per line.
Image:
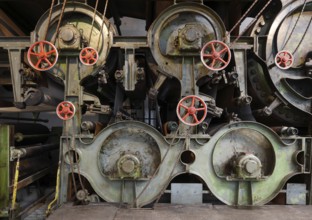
x=42 y=55
x=284 y=59
x=65 y=110
x=88 y=56
x=190 y=108
x=213 y=53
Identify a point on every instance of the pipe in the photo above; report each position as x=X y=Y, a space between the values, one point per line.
x=19 y=137
x=30 y=151
x=24 y=119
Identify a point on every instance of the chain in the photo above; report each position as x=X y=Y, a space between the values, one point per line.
x=174 y=166
x=308 y=27
x=244 y=15
x=60 y=20
x=78 y=169
x=71 y=164
x=103 y=21
x=49 y=20
x=93 y=19
x=156 y=171
x=251 y=23
x=293 y=29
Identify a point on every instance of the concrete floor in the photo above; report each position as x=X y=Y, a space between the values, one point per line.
x=180 y=212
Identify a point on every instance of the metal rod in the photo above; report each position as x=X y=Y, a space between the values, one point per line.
x=24 y=119
x=29 y=151
x=18 y=137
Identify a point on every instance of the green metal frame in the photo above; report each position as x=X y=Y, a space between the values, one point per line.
x=4 y=170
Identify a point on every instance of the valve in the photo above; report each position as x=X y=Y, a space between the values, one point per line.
x=42 y=55
x=65 y=110
x=188 y=113
x=212 y=55
x=88 y=56
x=284 y=59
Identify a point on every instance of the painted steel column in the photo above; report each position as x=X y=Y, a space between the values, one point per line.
x=4 y=169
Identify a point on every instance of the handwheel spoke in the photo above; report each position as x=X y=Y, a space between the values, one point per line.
x=50 y=64
x=33 y=53
x=200 y=109
x=41 y=47
x=207 y=55
x=183 y=106
x=223 y=50
x=222 y=60
x=213 y=48
x=213 y=63
x=185 y=116
x=195 y=117
x=193 y=102
x=37 y=64
x=50 y=52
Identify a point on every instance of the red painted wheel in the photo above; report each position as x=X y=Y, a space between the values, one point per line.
x=212 y=55
x=65 y=110
x=42 y=55
x=88 y=56
x=284 y=59
x=190 y=108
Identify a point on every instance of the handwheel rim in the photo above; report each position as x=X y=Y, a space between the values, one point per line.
x=65 y=110
x=284 y=59
x=88 y=56
x=216 y=56
x=44 y=57
x=191 y=111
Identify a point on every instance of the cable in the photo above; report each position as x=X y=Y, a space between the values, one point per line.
x=93 y=19
x=103 y=21
x=49 y=20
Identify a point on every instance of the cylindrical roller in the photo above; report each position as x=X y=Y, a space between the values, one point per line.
x=35 y=97
x=30 y=151
x=30 y=129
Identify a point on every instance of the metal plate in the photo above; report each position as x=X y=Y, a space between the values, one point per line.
x=296 y=194
x=187 y=193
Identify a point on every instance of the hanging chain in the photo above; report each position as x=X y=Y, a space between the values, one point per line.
x=49 y=20
x=174 y=166
x=93 y=19
x=293 y=29
x=251 y=23
x=78 y=169
x=71 y=164
x=158 y=167
x=243 y=16
x=308 y=27
x=103 y=21
x=59 y=22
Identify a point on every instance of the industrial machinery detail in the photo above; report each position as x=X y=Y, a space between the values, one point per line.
x=203 y=98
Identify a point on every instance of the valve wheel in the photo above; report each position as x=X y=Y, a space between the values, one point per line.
x=212 y=55
x=284 y=59
x=88 y=56
x=42 y=55
x=188 y=113
x=65 y=110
